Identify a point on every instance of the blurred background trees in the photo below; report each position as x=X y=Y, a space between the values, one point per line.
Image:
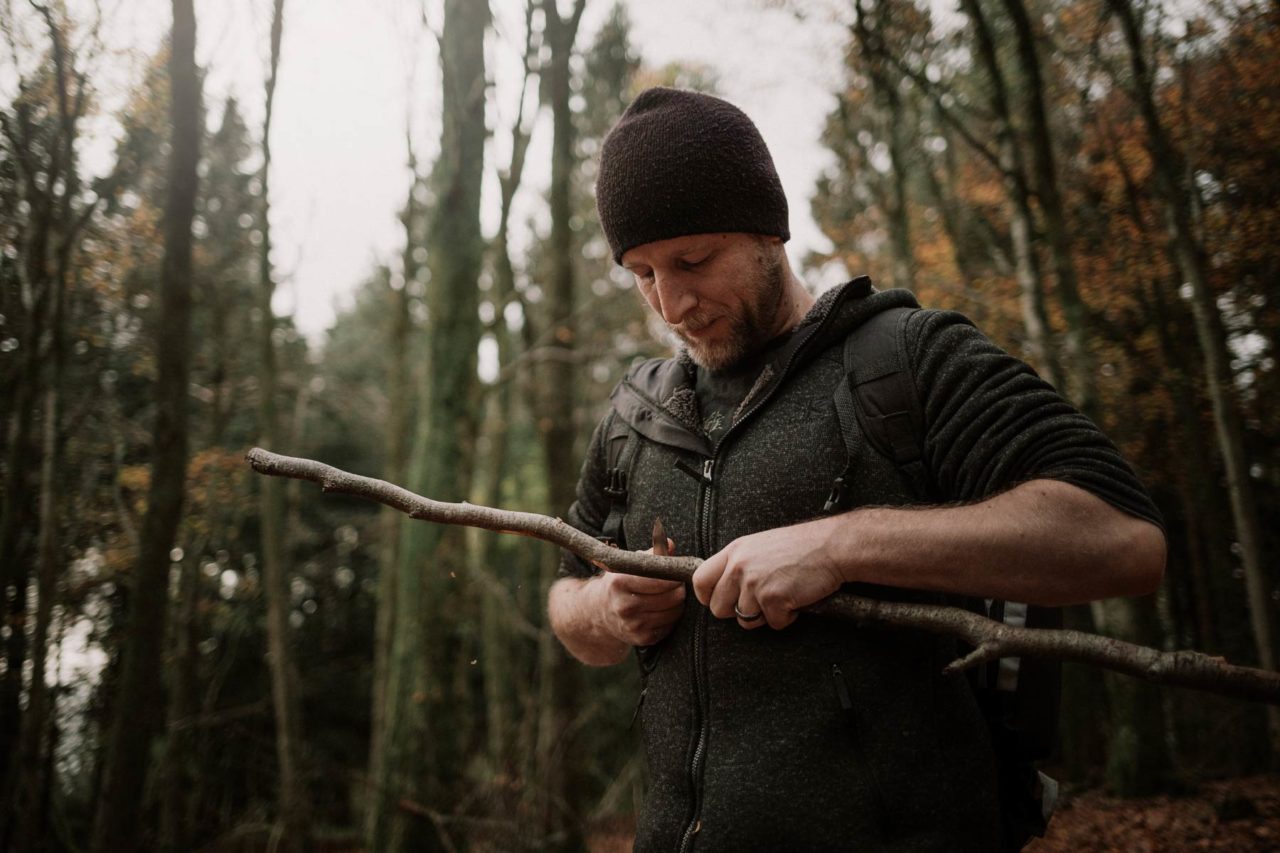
x=1096 y=183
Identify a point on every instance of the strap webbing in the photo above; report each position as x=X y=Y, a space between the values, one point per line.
x=619 y=452
x=878 y=394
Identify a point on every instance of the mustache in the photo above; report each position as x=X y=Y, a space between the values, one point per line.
x=694 y=323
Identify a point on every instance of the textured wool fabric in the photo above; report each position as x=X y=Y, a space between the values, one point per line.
x=825 y=736
x=680 y=163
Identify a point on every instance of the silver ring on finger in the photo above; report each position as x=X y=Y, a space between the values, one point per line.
x=748 y=617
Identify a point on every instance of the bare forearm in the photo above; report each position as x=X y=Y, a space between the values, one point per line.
x=1043 y=542
x=576 y=610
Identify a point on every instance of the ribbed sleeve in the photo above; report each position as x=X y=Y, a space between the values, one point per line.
x=992 y=422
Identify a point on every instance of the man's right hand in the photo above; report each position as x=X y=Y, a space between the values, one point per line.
x=640 y=611
x=600 y=618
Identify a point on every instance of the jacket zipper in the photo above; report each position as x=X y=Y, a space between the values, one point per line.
x=698 y=760
x=699 y=629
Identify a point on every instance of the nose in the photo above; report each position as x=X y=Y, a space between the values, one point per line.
x=674 y=298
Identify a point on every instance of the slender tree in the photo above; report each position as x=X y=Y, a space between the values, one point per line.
x=559 y=676
x=1137 y=757
x=399 y=394
x=294 y=807
x=1188 y=253
x=1076 y=355
x=1035 y=318
x=886 y=94
x=496 y=615
x=40 y=132
x=137 y=698
x=421 y=755
x=51 y=241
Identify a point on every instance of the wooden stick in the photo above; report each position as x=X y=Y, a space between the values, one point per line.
x=990 y=639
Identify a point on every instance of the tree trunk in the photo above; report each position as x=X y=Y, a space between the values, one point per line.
x=1137 y=758
x=35 y=281
x=30 y=758
x=1208 y=548
x=494 y=616
x=884 y=92
x=15 y=568
x=965 y=263
x=1076 y=354
x=559 y=677
x=137 y=700
x=1188 y=255
x=397 y=430
x=275 y=571
x=180 y=766
x=414 y=766
x=1035 y=319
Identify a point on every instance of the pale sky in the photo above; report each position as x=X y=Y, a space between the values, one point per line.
x=354 y=71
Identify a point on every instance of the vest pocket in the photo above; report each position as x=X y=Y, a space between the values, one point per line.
x=895 y=739
x=857 y=734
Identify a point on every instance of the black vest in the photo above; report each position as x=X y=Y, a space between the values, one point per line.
x=822 y=736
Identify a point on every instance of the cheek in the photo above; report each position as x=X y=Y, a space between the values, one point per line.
x=650 y=296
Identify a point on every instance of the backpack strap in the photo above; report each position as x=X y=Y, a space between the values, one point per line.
x=878 y=394
x=619 y=453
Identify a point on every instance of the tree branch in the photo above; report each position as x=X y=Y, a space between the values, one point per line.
x=990 y=640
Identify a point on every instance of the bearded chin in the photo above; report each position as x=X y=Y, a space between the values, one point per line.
x=749 y=331
x=717 y=355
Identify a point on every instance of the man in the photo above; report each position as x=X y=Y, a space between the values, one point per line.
x=766 y=729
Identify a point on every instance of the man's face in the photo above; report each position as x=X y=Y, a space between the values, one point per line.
x=721 y=294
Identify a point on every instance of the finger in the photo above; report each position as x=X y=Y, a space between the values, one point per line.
x=754 y=615
x=631 y=605
x=778 y=619
x=643 y=586
x=707 y=576
x=670 y=549
x=661 y=602
x=727 y=592
x=660 y=539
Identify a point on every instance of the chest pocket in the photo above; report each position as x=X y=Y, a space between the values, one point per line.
x=656 y=489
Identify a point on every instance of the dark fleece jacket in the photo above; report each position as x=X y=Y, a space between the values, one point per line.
x=824 y=736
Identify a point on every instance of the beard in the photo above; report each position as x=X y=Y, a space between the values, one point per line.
x=754 y=325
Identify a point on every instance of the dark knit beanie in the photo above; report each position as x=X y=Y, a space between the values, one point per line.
x=680 y=163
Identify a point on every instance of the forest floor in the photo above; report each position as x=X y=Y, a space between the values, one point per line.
x=1240 y=814
x=1237 y=815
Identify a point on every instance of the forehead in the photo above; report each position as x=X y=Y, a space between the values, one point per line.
x=659 y=250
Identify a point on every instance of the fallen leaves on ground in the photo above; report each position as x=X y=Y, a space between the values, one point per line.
x=1229 y=814
x=1239 y=815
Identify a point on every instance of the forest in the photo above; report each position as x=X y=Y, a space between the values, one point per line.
x=196 y=657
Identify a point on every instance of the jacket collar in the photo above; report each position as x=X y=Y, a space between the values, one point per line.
x=657 y=398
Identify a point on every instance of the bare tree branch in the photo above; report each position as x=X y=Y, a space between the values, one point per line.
x=990 y=640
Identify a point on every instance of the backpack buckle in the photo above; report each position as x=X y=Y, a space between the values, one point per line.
x=617 y=485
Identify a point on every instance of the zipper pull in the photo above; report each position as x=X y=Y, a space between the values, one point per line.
x=703 y=476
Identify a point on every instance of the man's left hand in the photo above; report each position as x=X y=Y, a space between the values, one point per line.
x=773 y=573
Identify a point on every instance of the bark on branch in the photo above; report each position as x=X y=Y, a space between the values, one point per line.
x=989 y=639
